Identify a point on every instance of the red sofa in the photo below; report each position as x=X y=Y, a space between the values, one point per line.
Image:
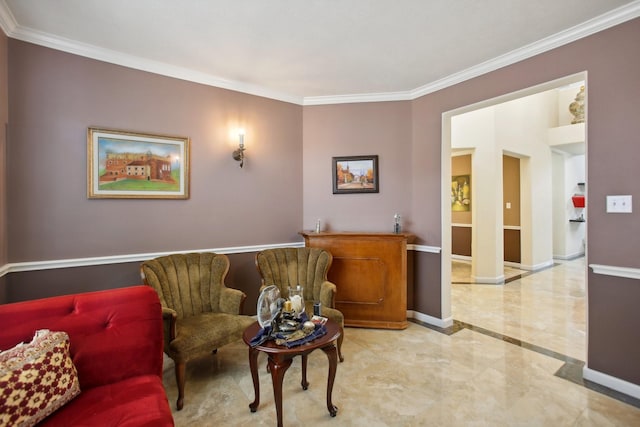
x=116 y=346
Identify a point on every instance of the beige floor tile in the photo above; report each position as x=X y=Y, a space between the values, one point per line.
x=546 y=308
x=419 y=377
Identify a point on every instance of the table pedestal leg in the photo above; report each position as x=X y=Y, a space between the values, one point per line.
x=278 y=367
x=305 y=383
x=253 y=365
x=332 y=354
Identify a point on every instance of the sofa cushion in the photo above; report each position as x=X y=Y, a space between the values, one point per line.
x=134 y=402
x=36 y=379
x=114 y=334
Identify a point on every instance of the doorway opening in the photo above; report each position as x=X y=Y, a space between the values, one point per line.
x=520 y=220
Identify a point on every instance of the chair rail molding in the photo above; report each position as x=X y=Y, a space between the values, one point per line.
x=16 y=267
x=121 y=259
x=611 y=270
x=424 y=248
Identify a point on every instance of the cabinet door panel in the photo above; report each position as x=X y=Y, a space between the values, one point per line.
x=365 y=280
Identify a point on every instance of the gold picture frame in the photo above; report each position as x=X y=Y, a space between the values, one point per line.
x=133 y=165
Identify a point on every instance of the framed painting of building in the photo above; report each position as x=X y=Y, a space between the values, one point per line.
x=130 y=165
x=355 y=174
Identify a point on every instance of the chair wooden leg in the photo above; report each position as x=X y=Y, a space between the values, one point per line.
x=180 y=379
x=340 y=356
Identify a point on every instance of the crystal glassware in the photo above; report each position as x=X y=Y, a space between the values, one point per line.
x=296 y=296
x=268 y=305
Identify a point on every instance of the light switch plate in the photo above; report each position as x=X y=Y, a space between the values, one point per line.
x=619 y=204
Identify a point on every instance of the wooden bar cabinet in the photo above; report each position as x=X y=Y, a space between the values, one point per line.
x=370 y=273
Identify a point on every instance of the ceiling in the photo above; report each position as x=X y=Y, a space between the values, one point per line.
x=312 y=51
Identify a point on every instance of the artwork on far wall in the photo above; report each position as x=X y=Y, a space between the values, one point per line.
x=355 y=174
x=461 y=193
x=131 y=165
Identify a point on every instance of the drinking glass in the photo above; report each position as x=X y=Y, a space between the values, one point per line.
x=296 y=296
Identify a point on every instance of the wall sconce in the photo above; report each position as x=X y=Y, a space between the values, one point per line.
x=238 y=155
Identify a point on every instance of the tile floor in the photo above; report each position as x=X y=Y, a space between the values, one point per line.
x=546 y=308
x=461 y=272
x=497 y=367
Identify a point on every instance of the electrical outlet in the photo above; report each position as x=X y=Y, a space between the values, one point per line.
x=619 y=204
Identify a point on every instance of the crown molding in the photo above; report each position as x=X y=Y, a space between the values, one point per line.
x=358 y=98
x=13 y=30
x=602 y=22
x=587 y=28
x=7 y=20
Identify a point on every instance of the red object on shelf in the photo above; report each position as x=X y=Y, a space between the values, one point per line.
x=578 y=201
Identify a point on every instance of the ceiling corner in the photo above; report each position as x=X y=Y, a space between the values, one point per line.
x=7 y=20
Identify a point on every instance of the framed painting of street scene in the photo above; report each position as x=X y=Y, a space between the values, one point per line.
x=355 y=174
x=130 y=165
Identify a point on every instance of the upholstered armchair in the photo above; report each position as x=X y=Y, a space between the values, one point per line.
x=200 y=313
x=308 y=267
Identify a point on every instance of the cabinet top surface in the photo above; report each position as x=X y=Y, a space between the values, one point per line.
x=363 y=234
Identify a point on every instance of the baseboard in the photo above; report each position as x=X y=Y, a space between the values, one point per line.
x=513 y=264
x=498 y=280
x=536 y=267
x=440 y=323
x=569 y=257
x=613 y=383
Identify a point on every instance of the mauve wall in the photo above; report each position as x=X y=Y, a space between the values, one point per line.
x=377 y=128
x=382 y=129
x=55 y=96
x=29 y=285
x=613 y=66
x=4 y=118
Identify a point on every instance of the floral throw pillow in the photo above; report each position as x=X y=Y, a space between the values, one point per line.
x=36 y=379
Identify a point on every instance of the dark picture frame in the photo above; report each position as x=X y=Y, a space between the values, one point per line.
x=355 y=174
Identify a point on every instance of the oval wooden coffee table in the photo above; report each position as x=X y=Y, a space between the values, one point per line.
x=280 y=358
